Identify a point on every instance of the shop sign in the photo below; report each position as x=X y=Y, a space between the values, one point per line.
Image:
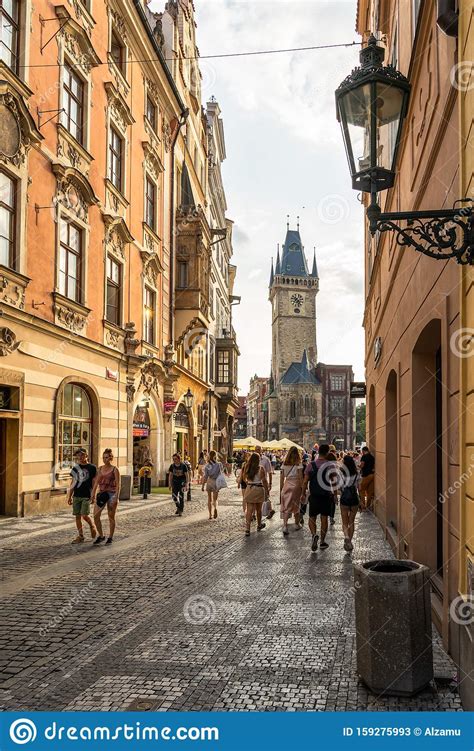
x=112 y=375
x=358 y=390
x=169 y=407
x=141 y=423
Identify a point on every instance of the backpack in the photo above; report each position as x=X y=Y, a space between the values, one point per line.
x=319 y=481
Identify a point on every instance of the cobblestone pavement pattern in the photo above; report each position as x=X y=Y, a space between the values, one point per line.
x=187 y=614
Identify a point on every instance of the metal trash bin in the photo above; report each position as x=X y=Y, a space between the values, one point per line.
x=393 y=624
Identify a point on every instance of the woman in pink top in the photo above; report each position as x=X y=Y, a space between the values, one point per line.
x=107 y=486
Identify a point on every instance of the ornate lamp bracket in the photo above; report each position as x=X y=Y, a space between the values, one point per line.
x=443 y=234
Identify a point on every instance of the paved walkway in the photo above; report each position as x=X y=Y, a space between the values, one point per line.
x=187 y=614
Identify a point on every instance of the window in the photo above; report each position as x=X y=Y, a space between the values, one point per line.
x=9 y=33
x=73 y=115
x=338 y=383
x=150 y=203
x=7 y=220
x=183 y=267
x=70 y=252
x=293 y=409
x=151 y=113
x=223 y=366
x=149 y=322
x=337 y=404
x=114 y=283
x=115 y=159
x=117 y=51
x=75 y=423
x=212 y=360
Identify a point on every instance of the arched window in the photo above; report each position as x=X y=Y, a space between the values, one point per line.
x=292 y=409
x=75 y=423
x=307 y=405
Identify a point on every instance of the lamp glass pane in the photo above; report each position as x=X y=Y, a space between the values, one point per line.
x=355 y=109
x=389 y=105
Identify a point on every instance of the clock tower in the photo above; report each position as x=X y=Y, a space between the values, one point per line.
x=292 y=294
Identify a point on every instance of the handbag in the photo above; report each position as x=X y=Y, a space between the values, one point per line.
x=350 y=496
x=265 y=508
x=221 y=482
x=102 y=498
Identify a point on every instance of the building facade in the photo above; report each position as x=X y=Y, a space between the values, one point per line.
x=256 y=407
x=413 y=319
x=240 y=419
x=92 y=156
x=308 y=402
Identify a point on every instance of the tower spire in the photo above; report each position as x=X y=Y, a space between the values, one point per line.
x=277 y=267
x=314 y=272
x=287 y=221
x=271 y=275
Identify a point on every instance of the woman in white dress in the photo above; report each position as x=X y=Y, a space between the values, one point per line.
x=212 y=470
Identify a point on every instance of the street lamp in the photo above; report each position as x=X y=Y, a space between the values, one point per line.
x=188 y=399
x=371 y=104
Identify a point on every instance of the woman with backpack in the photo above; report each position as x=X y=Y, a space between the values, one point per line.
x=212 y=470
x=255 y=493
x=349 y=501
x=291 y=484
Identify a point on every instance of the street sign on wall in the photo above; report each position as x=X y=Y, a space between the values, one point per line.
x=169 y=407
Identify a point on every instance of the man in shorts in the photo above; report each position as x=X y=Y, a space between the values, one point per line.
x=80 y=491
x=319 y=474
x=178 y=481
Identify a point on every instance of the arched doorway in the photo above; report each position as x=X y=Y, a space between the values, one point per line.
x=427 y=450
x=145 y=439
x=183 y=432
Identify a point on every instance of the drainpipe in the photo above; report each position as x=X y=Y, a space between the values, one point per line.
x=447 y=17
x=181 y=122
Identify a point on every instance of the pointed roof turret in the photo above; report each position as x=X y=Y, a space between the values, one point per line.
x=299 y=372
x=278 y=268
x=314 y=272
x=272 y=275
x=293 y=262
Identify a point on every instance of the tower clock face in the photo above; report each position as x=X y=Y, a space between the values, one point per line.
x=297 y=302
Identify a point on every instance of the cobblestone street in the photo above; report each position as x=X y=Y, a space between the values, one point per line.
x=187 y=614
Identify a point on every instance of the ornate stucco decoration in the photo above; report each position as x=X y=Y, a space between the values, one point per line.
x=8 y=341
x=117 y=235
x=17 y=128
x=153 y=163
x=119 y=109
x=114 y=337
x=76 y=41
x=70 y=151
x=69 y=314
x=74 y=190
x=131 y=342
x=166 y=133
x=12 y=287
x=153 y=374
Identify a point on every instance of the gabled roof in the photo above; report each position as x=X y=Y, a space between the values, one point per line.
x=293 y=261
x=299 y=372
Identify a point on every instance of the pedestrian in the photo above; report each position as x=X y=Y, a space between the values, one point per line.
x=257 y=490
x=80 y=491
x=367 y=473
x=291 y=485
x=200 y=466
x=178 y=481
x=319 y=475
x=106 y=492
x=331 y=457
x=212 y=470
x=349 y=501
x=266 y=465
x=241 y=482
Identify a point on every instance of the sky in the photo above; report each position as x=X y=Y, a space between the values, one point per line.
x=285 y=155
